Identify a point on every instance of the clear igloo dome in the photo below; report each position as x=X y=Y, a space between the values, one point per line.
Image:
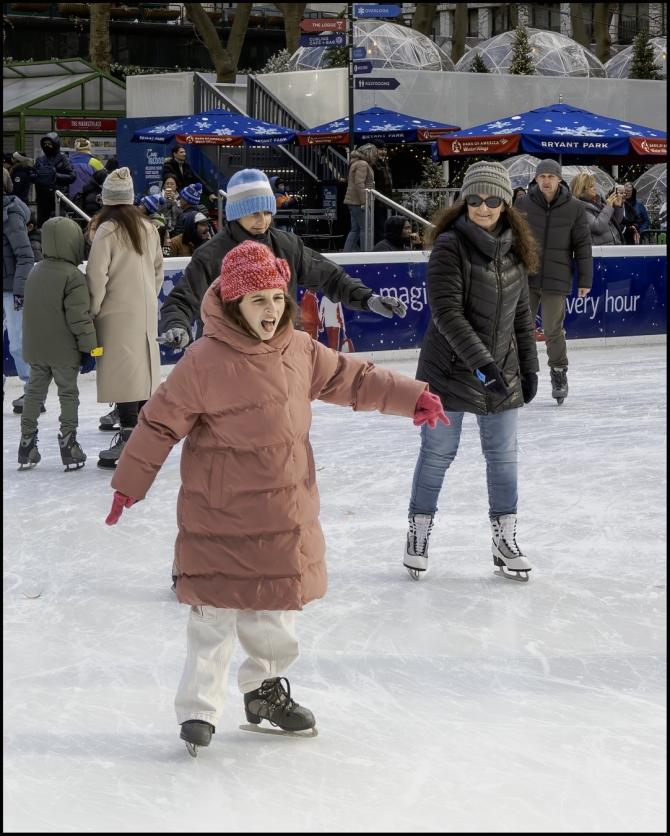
x=521 y=171
x=619 y=65
x=553 y=54
x=388 y=46
x=653 y=180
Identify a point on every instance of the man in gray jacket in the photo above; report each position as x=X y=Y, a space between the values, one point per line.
x=560 y=227
x=17 y=262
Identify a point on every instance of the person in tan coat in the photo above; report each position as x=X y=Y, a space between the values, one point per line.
x=250 y=549
x=361 y=177
x=125 y=275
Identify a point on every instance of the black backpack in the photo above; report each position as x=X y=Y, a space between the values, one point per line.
x=45 y=177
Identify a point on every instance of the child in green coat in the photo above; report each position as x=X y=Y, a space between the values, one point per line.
x=58 y=338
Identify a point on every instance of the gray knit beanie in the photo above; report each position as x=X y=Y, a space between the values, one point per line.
x=549 y=167
x=118 y=188
x=488 y=178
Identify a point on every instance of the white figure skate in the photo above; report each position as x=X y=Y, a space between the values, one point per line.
x=507 y=556
x=416 y=547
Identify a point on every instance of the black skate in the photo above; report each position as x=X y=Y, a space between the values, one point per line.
x=196 y=733
x=108 y=459
x=110 y=422
x=29 y=455
x=71 y=452
x=559 y=384
x=272 y=702
x=17 y=406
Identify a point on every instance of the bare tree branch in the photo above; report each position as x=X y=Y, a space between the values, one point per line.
x=99 y=46
x=460 y=31
x=292 y=13
x=224 y=58
x=424 y=17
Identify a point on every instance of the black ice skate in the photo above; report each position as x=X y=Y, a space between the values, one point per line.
x=17 y=406
x=196 y=733
x=29 y=455
x=272 y=702
x=507 y=555
x=108 y=459
x=416 y=547
x=70 y=452
x=110 y=422
x=559 y=384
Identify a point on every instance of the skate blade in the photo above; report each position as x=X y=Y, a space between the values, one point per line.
x=28 y=466
x=280 y=732
x=559 y=401
x=415 y=574
x=74 y=466
x=515 y=577
x=192 y=749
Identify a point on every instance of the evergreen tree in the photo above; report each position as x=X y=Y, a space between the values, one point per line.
x=643 y=65
x=522 y=63
x=278 y=63
x=431 y=176
x=478 y=65
x=336 y=56
x=654 y=208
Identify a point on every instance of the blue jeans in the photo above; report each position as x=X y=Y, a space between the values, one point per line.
x=13 y=321
x=357 y=229
x=497 y=432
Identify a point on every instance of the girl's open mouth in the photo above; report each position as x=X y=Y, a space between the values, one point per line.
x=268 y=325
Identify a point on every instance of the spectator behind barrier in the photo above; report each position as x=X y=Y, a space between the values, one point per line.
x=361 y=177
x=182 y=171
x=398 y=235
x=35 y=237
x=85 y=165
x=604 y=217
x=635 y=216
x=52 y=171
x=20 y=174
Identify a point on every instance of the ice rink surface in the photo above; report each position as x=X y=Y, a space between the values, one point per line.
x=461 y=703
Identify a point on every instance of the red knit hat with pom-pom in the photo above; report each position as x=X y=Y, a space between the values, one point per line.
x=251 y=267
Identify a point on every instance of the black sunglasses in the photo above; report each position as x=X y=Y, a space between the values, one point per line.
x=491 y=202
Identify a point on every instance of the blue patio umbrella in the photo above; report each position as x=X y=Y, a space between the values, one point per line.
x=557 y=131
x=376 y=123
x=216 y=127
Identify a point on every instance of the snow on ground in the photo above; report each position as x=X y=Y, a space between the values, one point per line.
x=461 y=703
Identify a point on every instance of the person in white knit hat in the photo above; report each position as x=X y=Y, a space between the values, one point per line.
x=125 y=272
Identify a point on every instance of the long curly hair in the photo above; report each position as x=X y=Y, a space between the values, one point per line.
x=523 y=243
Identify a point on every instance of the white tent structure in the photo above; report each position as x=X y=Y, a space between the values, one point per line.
x=619 y=66
x=553 y=55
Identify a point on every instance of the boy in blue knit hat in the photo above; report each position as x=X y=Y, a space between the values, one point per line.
x=151 y=205
x=249 y=209
x=190 y=200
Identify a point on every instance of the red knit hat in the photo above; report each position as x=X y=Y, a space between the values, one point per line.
x=251 y=267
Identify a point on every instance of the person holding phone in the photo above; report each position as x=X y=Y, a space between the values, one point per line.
x=172 y=209
x=604 y=216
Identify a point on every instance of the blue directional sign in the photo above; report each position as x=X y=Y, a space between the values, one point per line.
x=376 y=83
x=323 y=40
x=370 y=10
x=358 y=52
x=362 y=67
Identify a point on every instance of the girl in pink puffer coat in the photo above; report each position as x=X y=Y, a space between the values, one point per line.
x=250 y=549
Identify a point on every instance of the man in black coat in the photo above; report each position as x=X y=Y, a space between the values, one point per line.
x=52 y=171
x=561 y=229
x=398 y=236
x=182 y=172
x=249 y=209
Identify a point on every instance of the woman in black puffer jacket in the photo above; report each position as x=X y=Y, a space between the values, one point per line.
x=479 y=355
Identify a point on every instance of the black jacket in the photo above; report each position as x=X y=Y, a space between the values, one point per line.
x=478 y=296
x=184 y=175
x=54 y=171
x=308 y=268
x=383 y=179
x=20 y=174
x=562 y=232
x=91 y=191
x=393 y=242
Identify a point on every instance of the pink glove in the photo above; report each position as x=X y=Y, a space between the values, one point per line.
x=119 y=502
x=429 y=411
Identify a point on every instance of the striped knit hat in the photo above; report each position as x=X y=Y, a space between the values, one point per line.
x=192 y=194
x=488 y=178
x=249 y=191
x=152 y=202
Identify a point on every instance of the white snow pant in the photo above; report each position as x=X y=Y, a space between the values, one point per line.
x=267 y=637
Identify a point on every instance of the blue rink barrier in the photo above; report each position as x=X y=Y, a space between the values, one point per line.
x=628 y=299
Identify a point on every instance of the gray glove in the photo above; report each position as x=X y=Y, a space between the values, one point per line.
x=387 y=306
x=175 y=338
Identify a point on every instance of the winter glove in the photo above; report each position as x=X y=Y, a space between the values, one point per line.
x=429 y=411
x=87 y=363
x=18 y=303
x=119 y=502
x=529 y=386
x=175 y=338
x=387 y=306
x=494 y=383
